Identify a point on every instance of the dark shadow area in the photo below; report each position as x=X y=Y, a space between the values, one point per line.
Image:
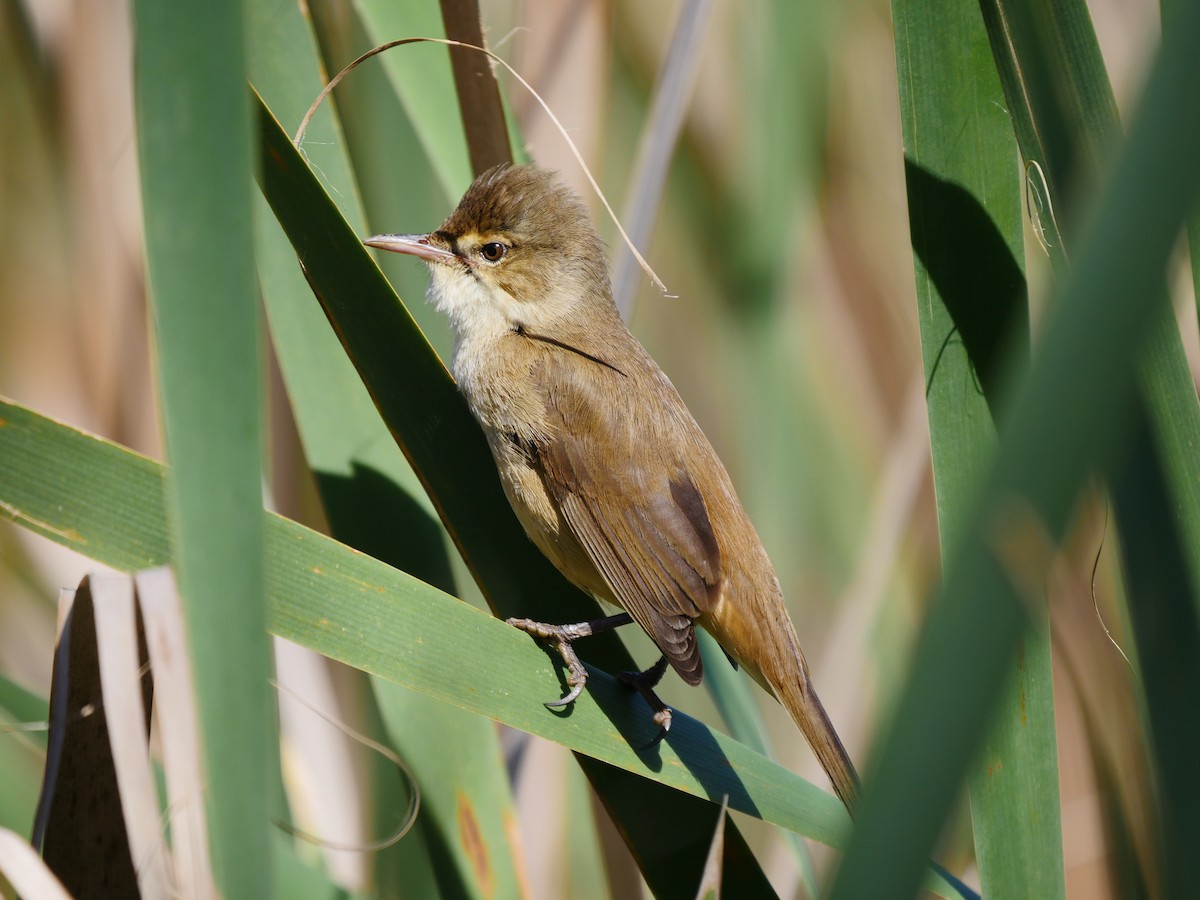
x=80 y=824
x=672 y=873
x=691 y=740
x=975 y=274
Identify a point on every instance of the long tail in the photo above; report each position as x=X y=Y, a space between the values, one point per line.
x=804 y=706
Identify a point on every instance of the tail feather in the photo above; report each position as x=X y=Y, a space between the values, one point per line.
x=803 y=705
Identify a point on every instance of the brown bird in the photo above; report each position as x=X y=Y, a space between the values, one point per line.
x=606 y=469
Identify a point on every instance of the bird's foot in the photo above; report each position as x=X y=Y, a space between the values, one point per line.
x=644 y=683
x=561 y=638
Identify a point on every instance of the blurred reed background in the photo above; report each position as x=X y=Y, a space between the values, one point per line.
x=782 y=229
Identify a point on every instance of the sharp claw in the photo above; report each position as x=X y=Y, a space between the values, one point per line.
x=643 y=683
x=658 y=739
x=560 y=637
x=662 y=718
x=568 y=699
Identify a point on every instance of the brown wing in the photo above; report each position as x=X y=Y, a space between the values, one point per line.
x=628 y=498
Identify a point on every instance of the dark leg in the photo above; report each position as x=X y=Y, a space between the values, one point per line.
x=561 y=636
x=644 y=683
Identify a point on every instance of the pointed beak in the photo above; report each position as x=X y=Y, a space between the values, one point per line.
x=418 y=245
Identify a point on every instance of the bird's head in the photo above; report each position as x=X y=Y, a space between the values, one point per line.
x=519 y=252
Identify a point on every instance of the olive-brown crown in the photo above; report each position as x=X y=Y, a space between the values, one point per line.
x=550 y=251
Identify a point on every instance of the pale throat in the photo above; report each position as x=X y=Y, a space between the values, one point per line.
x=476 y=310
x=479 y=316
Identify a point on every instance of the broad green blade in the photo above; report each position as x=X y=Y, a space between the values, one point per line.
x=1057 y=91
x=1070 y=414
x=195 y=147
x=1065 y=118
x=423 y=81
x=346 y=445
x=108 y=502
x=965 y=217
x=1056 y=83
x=467 y=815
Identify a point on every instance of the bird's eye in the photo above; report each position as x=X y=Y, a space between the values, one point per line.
x=493 y=251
